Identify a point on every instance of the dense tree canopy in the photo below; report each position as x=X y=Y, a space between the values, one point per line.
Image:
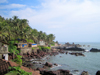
x=15 y=28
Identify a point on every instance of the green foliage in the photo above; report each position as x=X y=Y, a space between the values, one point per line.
x=18 y=60
x=13 y=28
x=52 y=44
x=30 y=41
x=33 y=48
x=43 y=47
x=46 y=48
x=12 y=48
x=16 y=41
x=19 y=71
x=40 y=47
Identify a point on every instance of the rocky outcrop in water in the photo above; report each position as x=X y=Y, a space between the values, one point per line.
x=77 y=54
x=75 y=49
x=98 y=72
x=95 y=50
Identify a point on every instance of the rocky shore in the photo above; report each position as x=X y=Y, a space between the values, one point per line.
x=45 y=66
x=42 y=54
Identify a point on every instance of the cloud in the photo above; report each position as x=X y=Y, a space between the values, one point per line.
x=11 y=6
x=74 y=20
x=3 y=1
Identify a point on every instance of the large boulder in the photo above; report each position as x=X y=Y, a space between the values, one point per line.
x=98 y=72
x=29 y=65
x=50 y=72
x=95 y=50
x=84 y=73
x=64 y=72
x=48 y=64
x=41 y=70
x=58 y=72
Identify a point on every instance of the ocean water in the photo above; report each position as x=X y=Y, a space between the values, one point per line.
x=77 y=64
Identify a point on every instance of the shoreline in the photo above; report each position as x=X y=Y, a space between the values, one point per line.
x=39 y=63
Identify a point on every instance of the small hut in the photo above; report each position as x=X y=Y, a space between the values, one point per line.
x=21 y=45
x=32 y=45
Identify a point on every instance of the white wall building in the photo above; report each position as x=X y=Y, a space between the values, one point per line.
x=41 y=42
x=3 y=51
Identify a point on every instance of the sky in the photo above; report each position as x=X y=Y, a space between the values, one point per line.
x=68 y=20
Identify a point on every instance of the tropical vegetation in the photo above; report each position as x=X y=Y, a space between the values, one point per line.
x=15 y=28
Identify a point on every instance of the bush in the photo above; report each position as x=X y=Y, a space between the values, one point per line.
x=33 y=48
x=43 y=47
x=18 y=60
x=30 y=41
x=12 y=48
x=40 y=47
x=46 y=48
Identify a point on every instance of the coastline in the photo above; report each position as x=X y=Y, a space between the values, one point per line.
x=75 y=71
x=41 y=64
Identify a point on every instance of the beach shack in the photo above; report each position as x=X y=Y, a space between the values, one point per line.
x=3 y=51
x=32 y=45
x=25 y=47
x=21 y=45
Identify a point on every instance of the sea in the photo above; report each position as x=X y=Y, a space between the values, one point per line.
x=78 y=64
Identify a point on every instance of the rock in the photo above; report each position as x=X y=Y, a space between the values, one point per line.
x=98 y=72
x=55 y=64
x=84 y=73
x=64 y=72
x=95 y=50
x=24 y=64
x=48 y=64
x=58 y=72
x=75 y=49
x=66 y=52
x=77 y=54
x=40 y=69
x=45 y=67
x=28 y=65
x=62 y=51
x=75 y=70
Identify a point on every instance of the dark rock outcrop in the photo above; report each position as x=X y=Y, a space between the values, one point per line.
x=77 y=54
x=48 y=64
x=58 y=72
x=29 y=65
x=55 y=64
x=98 y=72
x=95 y=50
x=66 y=52
x=75 y=49
x=64 y=72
